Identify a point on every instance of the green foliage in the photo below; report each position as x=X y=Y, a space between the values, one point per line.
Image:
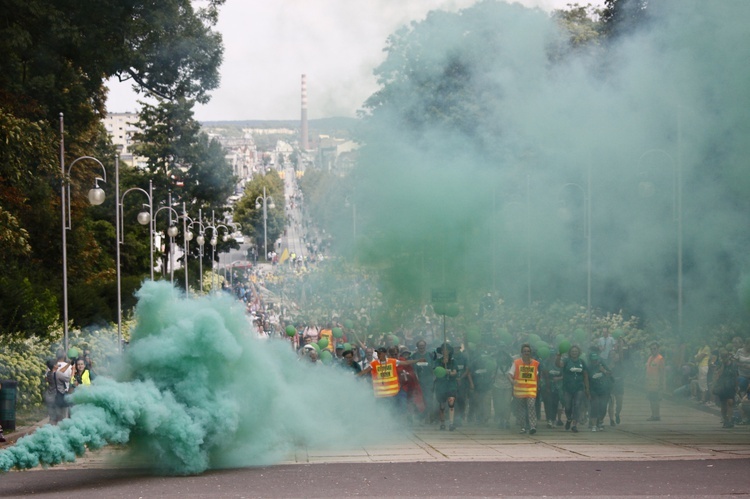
x=180 y=158
x=23 y=360
x=28 y=261
x=209 y=178
x=56 y=55
x=28 y=308
x=622 y=17
x=249 y=209
x=166 y=137
x=582 y=24
x=56 y=58
x=27 y=159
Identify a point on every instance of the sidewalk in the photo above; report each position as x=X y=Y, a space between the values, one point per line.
x=686 y=432
x=21 y=431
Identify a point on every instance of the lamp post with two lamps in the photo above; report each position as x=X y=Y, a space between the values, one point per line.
x=213 y=242
x=96 y=197
x=264 y=199
x=172 y=232
x=144 y=218
x=564 y=212
x=187 y=225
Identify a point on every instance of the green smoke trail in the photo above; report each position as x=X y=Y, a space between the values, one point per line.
x=197 y=391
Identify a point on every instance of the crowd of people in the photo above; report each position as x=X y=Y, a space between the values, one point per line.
x=719 y=375
x=451 y=385
x=584 y=384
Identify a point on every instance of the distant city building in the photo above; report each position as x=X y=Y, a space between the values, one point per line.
x=270 y=131
x=121 y=127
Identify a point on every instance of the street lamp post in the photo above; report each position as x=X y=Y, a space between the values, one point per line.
x=187 y=224
x=96 y=197
x=171 y=232
x=646 y=189
x=265 y=199
x=144 y=218
x=213 y=242
x=235 y=228
x=201 y=240
x=187 y=236
x=527 y=238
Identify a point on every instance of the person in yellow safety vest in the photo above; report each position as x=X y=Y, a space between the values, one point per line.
x=524 y=374
x=385 y=383
x=327 y=332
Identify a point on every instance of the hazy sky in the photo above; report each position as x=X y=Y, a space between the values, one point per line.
x=270 y=44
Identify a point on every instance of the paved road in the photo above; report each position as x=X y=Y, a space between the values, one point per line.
x=449 y=479
x=292 y=238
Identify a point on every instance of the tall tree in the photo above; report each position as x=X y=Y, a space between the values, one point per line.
x=621 y=17
x=180 y=158
x=27 y=161
x=249 y=213
x=58 y=53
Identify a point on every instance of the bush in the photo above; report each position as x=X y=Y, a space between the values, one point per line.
x=24 y=359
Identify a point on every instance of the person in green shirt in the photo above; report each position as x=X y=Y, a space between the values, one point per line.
x=446 y=386
x=575 y=386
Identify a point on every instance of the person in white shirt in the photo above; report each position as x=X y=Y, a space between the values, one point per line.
x=606 y=344
x=62 y=373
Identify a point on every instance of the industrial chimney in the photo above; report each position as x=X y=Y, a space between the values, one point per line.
x=303 y=127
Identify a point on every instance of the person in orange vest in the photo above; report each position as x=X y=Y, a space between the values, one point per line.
x=655 y=381
x=384 y=375
x=524 y=374
x=384 y=372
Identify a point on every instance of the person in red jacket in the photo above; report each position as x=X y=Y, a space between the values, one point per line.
x=410 y=386
x=524 y=374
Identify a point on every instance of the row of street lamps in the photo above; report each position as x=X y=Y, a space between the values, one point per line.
x=187 y=225
x=96 y=197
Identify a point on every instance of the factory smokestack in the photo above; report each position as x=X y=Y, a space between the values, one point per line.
x=303 y=127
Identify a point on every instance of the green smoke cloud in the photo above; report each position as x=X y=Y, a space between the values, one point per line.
x=494 y=154
x=197 y=390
